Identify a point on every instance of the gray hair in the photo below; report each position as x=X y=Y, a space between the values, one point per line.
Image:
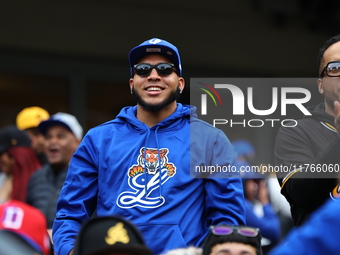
x=185 y=251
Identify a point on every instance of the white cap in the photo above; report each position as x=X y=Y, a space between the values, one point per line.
x=62 y=119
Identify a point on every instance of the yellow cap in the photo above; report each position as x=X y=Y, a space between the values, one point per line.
x=31 y=117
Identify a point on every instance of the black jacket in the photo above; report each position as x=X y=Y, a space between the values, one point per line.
x=313 y=142
x=44 y=189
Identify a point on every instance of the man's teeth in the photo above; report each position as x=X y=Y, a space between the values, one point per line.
x=153 y=89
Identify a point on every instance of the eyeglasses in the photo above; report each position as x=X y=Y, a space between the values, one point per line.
x=332 y=69
x=162 y=69
x=241 y=230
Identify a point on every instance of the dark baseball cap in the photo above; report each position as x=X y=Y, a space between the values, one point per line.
x=155 y=46
x=11 y=136
x=102 y=235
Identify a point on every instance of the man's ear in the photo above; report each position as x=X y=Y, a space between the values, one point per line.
x=181 y=83
x=320 y=86
x=131 y=84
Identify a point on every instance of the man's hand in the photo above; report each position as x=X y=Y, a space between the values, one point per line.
x=262 y=192
x=49 y=232
x=337 y=116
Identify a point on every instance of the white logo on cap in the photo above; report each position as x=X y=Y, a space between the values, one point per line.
x=155 y=41
x=13 y=217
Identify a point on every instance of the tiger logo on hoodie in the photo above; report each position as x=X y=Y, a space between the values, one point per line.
x=153 y=169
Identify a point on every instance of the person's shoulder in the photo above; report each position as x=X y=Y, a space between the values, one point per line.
x=306 y=122
x=196 y=122
x=109 y=123
x=300 y=125
x=106 y=126
x=41 y=171
x=202 y=128
x=40 y=178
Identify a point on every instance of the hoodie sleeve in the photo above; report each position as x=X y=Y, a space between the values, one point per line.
x=319 y=235
x=224 y=196
x=75 y=207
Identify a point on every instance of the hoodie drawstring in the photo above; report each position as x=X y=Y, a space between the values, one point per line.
x=158 y=159
x=159 y=162
x=145 y=170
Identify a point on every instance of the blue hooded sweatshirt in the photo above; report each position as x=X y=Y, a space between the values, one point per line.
x=125 y=168
x=317 y=236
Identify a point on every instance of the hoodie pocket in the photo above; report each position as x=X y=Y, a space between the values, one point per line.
x=162 y=237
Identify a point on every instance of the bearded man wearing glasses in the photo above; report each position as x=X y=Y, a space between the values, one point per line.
x=314 y=143
x=138 y=165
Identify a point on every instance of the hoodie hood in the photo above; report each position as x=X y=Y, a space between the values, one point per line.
x=174 y=121
x=319 y=114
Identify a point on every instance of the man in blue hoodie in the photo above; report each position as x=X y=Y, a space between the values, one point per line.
x=138 y=165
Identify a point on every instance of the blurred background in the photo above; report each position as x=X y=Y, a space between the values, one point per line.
x=71 y=55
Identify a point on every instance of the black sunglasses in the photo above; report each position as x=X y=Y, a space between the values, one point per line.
x=162 y=69
x=241 y=230
x=332 y=69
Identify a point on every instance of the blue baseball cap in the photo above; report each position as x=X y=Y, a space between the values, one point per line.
x=155 y=46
